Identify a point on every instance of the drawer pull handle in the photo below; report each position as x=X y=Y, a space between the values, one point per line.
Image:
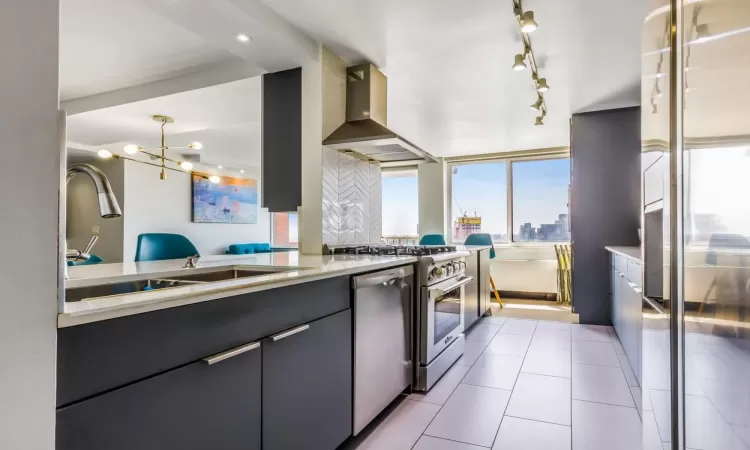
x=219 y=357
x=291 y=332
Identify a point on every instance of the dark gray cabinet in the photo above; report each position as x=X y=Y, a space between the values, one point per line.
x=198 y=406
x=626 y=310
x=281 y=176
x=307 y=385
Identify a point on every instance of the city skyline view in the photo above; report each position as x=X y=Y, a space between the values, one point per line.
x=540 y=197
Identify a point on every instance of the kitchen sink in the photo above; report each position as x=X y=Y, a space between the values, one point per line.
x=202 y=276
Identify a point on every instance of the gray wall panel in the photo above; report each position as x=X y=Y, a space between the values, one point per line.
x=605 y=202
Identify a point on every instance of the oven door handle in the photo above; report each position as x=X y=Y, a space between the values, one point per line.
x=436 y=292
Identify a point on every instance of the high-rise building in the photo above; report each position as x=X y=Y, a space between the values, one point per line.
x=465 y=226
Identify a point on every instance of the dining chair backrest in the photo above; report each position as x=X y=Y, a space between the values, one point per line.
x=432 y=239
x=159 y=246
x=481 y=239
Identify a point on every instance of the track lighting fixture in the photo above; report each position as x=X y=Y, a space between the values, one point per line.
x=528 y=24
x=541 y=85
x=537 y=106
x=539 y=121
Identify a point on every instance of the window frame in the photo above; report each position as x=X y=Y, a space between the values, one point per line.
x=509 y=160
x=271 y=221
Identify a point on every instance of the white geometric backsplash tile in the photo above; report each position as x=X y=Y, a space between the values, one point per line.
x=351 y=199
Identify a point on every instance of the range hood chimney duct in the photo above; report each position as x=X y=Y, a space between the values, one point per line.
x=365 y=133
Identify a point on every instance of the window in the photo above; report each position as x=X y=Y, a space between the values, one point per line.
x=400 y=206
x=537 y=189
x=284 y=231
x=540 y=200
x=479 y=203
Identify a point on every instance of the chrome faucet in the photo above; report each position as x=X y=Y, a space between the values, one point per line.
x=108 y=206
x=192 y=262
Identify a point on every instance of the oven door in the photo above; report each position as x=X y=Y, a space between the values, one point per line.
x=441 y=318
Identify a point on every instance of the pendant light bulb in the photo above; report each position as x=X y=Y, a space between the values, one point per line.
x=186 y=165
x=542 y=86
x=214 y=179
x=519 y=63
x=196 y=145
x=528 y=24
x=131 y=149
x=537 y=106
x=104 y=153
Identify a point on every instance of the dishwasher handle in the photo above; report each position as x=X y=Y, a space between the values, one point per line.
x=374 y=279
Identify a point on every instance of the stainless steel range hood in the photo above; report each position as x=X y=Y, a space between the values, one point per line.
x=364 y=134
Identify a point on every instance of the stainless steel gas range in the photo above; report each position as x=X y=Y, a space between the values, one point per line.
x=440 y=338
x=438 y=307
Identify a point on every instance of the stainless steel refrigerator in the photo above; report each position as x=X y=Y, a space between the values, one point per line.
x=696 y=221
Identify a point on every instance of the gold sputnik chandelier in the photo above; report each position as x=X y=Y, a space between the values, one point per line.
x=161 y=153
x=526 y=25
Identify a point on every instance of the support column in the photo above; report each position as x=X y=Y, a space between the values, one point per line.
x=30 y=185
x=434 y=199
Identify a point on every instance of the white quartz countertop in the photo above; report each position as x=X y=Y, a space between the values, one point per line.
x=633 y=253
x=305 y=268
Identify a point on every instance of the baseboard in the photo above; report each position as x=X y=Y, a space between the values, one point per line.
x=545 y=296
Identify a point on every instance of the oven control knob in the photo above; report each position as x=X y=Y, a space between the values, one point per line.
x=449 y=268
x=437 y=272
x=456 y=267
x=463 y=264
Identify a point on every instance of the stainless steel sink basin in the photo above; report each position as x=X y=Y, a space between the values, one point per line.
x=201 y=276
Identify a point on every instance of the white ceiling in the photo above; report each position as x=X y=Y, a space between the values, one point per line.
x=451 y=87
x=225 y=118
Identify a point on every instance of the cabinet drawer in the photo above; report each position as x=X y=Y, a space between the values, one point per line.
x=196 y=407
x=634 y=273
x=101 y=356
x=621 y=263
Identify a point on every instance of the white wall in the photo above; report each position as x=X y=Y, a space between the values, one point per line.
x=30 y=195
x=82 y=207
x=153 y=205
x=525 y=268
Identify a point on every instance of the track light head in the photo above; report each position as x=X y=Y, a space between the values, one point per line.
x=537 y=106
x=539 y=121
x=519 y=63
x=528 y=24
x=541 y=85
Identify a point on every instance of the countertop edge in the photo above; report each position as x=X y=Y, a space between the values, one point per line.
x=619 y=250
x=65 y=320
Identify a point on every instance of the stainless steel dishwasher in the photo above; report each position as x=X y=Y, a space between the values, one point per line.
x=382 y=340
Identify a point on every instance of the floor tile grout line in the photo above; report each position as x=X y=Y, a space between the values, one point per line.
x=453 y=440
x=602 y=403
x=451 y=394
x=502 y=418
x=541 y=421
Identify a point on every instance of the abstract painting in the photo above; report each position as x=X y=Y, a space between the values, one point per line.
x=231 y=200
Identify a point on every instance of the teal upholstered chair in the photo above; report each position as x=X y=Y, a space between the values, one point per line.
x=93 y=259
x=432 y=239
x=159 y=246
x=485 y=239
x=249 y=249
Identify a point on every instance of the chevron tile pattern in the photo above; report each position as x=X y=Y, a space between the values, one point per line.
x=351 y=199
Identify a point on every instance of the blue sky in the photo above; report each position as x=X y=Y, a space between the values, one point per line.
x=540 y=194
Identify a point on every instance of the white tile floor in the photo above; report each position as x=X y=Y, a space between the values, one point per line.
x=522 y=385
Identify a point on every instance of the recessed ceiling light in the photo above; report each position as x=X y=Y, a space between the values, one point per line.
x=242 y=170
x=220 y=167
x=242 y=37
